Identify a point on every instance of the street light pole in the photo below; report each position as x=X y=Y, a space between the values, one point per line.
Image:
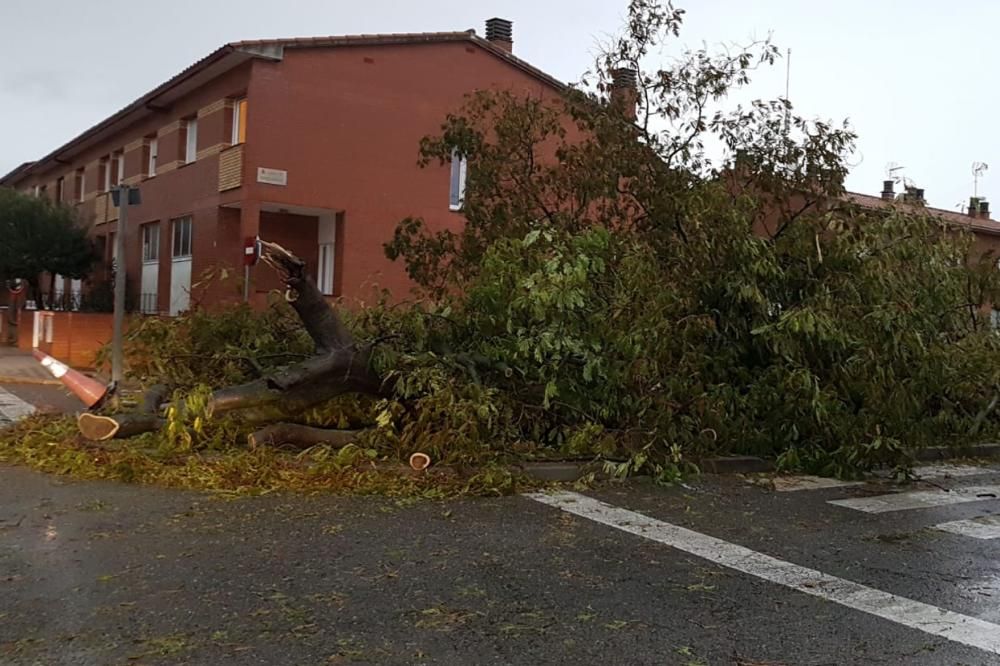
x=123 y=196
x=119 y=307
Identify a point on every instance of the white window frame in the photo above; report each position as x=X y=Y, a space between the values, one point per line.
x=121 y=168
x=38 y=191
x=150 y=243
x=83 y=186
x=60 y=188
x=191 y=141
x=153 y=149
x=236 y=120
x=178 y=250
x=456 y=180
x=107 y=175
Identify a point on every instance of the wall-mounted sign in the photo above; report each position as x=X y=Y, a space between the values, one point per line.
x=272 y=176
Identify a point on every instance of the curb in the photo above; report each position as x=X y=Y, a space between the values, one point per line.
x=4 y=379
x=569 y=471
x=950 y=453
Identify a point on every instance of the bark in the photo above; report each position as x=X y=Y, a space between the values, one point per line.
x=301 y=435
x=319 y=318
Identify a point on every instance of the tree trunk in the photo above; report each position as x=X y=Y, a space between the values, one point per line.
x=97 y=427
x=301 y=436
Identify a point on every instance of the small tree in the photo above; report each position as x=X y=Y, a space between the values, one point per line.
x=39 y=236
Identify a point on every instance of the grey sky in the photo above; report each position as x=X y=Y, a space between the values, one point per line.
x=913 y=78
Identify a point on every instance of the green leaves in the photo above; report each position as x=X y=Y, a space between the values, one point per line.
x=40 y=236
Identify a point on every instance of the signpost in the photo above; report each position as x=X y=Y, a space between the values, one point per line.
x=123 y=196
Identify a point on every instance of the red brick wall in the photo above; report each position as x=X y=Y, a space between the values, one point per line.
x=346 y=124
x=76 y=336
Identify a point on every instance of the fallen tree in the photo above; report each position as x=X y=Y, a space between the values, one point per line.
x=612 y=294
x=340 y=365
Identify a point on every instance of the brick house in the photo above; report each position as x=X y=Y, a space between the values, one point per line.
x=311 y=143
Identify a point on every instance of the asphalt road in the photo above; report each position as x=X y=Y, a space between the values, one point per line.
x=16 y=400
x=96 y=573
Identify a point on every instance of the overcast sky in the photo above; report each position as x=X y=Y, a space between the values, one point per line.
x=915 y=79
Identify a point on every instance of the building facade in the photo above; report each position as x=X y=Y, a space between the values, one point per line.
x=310 y=143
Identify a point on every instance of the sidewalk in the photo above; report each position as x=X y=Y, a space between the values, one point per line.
x=20 y=367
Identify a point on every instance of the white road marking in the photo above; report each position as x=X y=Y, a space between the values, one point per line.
x=929 y=619
x=984 y=527
x=919 y=499
x=954 y=471
x=787 y=484
x=13 y=408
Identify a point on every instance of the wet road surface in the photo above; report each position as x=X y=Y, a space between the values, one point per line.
x=97 y=573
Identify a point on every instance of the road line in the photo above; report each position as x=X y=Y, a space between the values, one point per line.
x=788 y=484
x=984 y=527
x=954 y=471
x=12 y=408
x=919 y=499
x=929 y=619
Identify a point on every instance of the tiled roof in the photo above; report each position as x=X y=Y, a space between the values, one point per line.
x=401 y=38
x=990 y=226
x=247 y=49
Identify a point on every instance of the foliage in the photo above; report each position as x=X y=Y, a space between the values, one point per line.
x=617 y=293
x=230 y=345
x=615 y=285
x=52 y=444
x=41 y=236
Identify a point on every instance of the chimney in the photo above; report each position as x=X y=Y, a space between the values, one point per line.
x=625 y=90
x=973 y=207
x=888 y=191
x=501 y=33
x=914 y=195
x=984 y=209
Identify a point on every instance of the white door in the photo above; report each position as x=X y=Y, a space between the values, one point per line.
x=149 y=281
x=180 y=266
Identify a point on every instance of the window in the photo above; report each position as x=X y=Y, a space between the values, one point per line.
x=182 y=237
x=105 y=171
x=240 y=121
x=325 y=279
x=151 y=167
x=191 y=135
x=38 y=191
x=459 y=165
x=151 y=242
x=59 y=189
x=120 y=171
x=80 y=182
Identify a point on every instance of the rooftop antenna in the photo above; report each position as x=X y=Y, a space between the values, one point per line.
x=893 y=172
x=978 y=168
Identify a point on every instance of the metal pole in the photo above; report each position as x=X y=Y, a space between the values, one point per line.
x=119 y=310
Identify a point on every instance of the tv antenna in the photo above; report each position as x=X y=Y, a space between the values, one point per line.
x=978 y=169
x=894 y=172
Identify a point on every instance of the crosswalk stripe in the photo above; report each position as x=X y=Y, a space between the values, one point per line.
x=929 y=619
x=919 y=499
x=984 y=527
x=788 y=484
x=954 y=471
x=12 y=408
